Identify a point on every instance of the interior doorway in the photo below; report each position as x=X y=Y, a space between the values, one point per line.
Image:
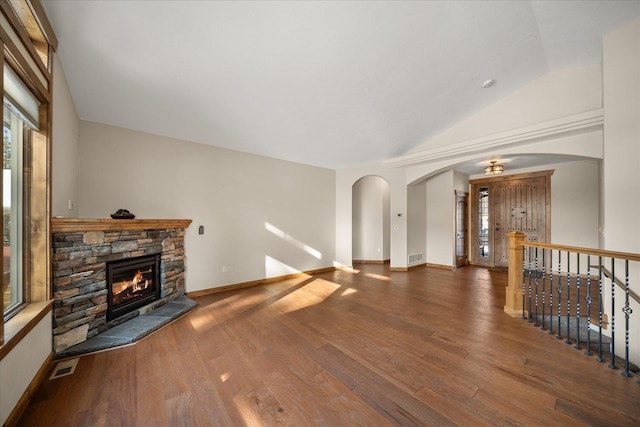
x=500 y=205
x=371 y=220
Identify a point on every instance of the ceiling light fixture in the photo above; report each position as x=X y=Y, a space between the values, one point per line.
x=493 y=169
x=488 y=83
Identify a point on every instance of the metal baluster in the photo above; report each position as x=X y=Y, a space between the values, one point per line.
x=627 y=311
x=535 y=283
x=559 y=336
x=612 y=346
x=544 y=268
x=551 y=292
x=524 y=270
x=530 y=286
x=568 y=340
x=588 y=299
x=600 y=308
x=577 y=346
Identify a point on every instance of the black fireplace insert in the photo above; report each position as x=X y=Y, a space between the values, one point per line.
x=131 y=284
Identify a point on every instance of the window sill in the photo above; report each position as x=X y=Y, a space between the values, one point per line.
x=16 y=328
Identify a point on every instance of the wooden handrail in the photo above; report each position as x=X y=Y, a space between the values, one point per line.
x=618 y=282
x=587 y=251
x=597 y=252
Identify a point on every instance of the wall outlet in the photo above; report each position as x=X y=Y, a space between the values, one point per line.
x=224 y=268
x=71 y=205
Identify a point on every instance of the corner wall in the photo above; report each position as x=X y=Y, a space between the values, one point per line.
x=440 y=219
x=621 y=80
x=262 y=217
x=64 y=147
x=417 y=221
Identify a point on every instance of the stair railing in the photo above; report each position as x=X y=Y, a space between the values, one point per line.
x=567 y=297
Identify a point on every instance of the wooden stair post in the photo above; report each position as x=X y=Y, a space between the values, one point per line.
x=513 y=303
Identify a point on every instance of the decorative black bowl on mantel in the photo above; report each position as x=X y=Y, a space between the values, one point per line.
x=122 y=214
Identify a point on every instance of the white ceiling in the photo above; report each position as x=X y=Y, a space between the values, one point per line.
x=326 y=83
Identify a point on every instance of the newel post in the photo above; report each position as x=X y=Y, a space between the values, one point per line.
x=513 y=303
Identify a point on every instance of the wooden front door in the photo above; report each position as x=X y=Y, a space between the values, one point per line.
x=520 y=205
x=509 y=203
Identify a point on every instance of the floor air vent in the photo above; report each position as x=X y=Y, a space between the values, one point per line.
x=66 y=367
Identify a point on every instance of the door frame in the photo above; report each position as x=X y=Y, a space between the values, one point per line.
x=464 y=260
x=473 y=205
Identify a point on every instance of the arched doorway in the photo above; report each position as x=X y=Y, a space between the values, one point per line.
x=371 y=220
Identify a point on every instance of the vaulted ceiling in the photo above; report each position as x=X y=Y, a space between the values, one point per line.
x=326 y=83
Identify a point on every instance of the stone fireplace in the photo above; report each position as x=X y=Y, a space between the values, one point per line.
x=91 y=254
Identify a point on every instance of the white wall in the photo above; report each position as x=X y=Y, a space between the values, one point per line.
x=575 y=204
x=386 y=221
x=621 y=171
x=440 y=219
x=621 y=75
x=64 y=151
x=21 y=365
x=431 y=206
x=417 y=220
x=370 y=219
x=460 y=182
x=262 y=217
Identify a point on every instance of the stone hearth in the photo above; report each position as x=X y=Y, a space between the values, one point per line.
x=132 y=330
x=81 y=250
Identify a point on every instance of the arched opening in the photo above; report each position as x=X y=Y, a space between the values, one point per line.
x=371 y=220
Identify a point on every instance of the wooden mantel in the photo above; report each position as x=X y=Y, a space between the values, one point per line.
x=72 y=225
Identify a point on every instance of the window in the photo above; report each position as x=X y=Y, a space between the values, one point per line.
x=20 y=115
x=12 y=190
x=483 y=222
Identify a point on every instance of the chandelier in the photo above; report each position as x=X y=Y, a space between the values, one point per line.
x=493 y=169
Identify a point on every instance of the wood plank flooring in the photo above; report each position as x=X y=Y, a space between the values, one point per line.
x=368 y=347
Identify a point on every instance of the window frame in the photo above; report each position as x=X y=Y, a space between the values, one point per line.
x=34 y=68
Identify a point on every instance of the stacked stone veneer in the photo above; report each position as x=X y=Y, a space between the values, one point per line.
x=79 y=266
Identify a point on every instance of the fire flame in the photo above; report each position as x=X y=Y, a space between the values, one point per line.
x=137 y=278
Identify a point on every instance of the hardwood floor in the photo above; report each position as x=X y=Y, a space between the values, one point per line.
x=369 y=347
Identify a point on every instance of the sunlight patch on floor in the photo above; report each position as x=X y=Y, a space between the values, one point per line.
x=348 y=291
x=377 y=276
x=312 y=293
x=199 y=322
x=346 y=268
x=246 y=411
x=322 y=288
x=297 y=301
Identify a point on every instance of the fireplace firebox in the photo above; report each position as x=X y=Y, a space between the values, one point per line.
x=132 y=283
